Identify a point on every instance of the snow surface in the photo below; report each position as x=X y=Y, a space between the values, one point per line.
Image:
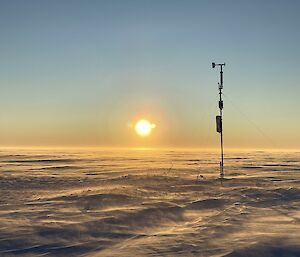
x=148 y=203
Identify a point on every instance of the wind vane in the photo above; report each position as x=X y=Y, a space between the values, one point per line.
x=219 y=117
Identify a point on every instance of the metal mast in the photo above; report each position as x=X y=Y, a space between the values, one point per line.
x=219 y=117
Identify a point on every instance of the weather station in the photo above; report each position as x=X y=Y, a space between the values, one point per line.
x=219 y=118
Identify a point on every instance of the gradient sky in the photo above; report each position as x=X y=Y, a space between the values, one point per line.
x=78 y=73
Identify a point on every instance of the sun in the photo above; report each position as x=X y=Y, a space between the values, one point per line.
x=144 y=127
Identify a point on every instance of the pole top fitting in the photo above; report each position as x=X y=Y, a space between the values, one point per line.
x=217 y=64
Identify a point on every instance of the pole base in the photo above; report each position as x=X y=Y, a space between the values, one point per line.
x=221 y=171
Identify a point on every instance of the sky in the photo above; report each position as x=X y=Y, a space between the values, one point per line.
x=81 y=73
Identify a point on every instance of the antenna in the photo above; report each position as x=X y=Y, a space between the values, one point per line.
x=219 y=117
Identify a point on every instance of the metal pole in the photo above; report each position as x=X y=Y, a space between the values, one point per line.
x=221 y=133
x=220 y=118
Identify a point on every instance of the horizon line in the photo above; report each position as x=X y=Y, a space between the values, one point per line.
x=167 y=148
